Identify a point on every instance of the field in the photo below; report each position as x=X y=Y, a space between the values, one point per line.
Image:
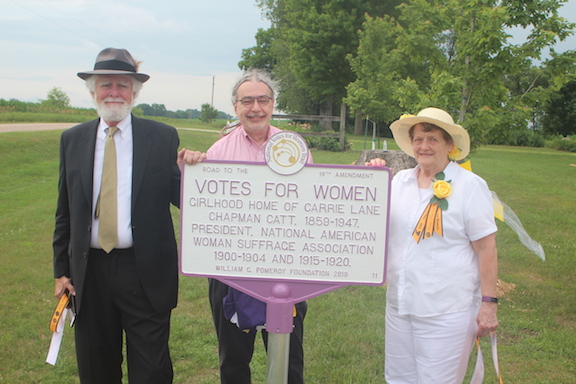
x=344 y=335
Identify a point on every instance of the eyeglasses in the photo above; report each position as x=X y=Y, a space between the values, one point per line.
x=248 y=101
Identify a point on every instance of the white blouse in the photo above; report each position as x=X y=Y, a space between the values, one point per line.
x=439 y=274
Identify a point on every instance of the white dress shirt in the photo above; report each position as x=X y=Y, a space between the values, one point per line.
x=439 y=275
x=124 y=159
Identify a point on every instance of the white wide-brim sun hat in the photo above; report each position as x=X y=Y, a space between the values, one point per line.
x=401 y=127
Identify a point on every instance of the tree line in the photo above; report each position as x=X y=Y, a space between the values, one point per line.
x=388 y=58
x=58 y=101
x=207 y=112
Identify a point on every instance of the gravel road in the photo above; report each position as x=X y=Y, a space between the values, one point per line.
x=34 y=127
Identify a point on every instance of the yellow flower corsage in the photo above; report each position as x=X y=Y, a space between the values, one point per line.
x=431 y=220
x=442 y=189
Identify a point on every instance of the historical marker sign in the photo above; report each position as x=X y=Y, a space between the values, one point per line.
x=323 y=224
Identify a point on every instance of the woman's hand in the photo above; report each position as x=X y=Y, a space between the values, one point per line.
x=486 y=320
x=376 y=162
x=485 y=248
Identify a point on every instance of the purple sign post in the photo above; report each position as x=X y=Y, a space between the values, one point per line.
x=284 y=232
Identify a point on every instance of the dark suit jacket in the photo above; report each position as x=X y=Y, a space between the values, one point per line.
x=155 y=184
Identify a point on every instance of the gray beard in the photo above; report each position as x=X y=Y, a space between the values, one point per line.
x=113 y=113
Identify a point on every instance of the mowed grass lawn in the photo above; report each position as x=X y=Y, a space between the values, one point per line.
x=344 y=335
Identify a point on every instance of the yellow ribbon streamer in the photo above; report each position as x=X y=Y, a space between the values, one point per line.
x=421 y=225
x=438 y=226
x=478 y=374
x=430 y=220
x=60 y=307
x=429 y=223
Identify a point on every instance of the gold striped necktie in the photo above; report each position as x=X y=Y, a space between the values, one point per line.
x=107 y=205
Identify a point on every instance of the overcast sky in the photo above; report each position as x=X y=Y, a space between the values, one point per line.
x=183 y=44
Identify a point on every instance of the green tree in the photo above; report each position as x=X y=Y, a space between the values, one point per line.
x=306 y=49
x=158 y=110
x=145 y=108
x=455 y=55
x=560 y=110
x=260 y=56
x=208 y=113
x=153 y=110
x=56 y=98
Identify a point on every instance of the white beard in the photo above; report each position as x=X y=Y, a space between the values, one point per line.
x=112 y=112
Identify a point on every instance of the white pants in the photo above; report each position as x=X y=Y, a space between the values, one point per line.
x=426 y=350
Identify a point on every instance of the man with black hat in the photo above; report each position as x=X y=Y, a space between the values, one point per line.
x=114 y=244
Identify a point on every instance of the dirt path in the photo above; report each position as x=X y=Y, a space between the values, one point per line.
x=29 y=127
x=34 y=127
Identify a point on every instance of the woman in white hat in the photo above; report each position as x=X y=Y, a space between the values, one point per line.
x=443 y=265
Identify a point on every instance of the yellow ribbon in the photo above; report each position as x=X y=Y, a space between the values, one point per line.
x=60 y=307
x=429 y=223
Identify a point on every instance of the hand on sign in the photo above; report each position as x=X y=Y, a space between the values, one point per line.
x=188 y=157
x=376 y=162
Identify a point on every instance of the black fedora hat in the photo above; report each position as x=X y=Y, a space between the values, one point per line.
x=113 y=61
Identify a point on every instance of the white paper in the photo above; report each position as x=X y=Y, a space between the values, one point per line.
x=57 y=339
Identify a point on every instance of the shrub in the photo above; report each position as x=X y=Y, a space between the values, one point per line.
x=529 y=139
x=564 y=145
x=327 y=143
x=523 y=138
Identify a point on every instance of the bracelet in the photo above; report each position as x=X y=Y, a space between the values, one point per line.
x=489 y=299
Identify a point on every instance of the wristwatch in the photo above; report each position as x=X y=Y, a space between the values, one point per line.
x=489 y=299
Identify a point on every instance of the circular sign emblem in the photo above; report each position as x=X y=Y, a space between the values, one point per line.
x=286 y=153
